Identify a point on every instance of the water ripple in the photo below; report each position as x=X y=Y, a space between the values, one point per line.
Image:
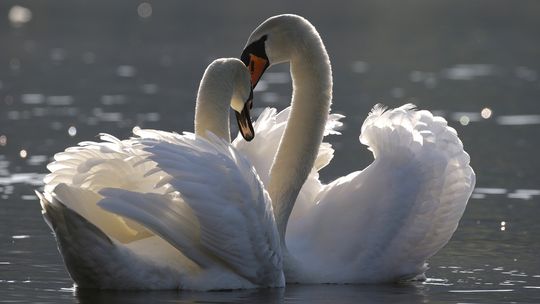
x=518 y=120
x=34 y=179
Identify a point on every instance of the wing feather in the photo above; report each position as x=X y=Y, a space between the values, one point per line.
x=232 y=211
x=269 y=128
x=396 y=213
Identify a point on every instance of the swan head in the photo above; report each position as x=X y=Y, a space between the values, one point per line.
x=278 y=39
x=225 y=78
x=242 y=98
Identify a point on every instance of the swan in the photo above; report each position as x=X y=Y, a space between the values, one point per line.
x=379 y=224
x=193 y=215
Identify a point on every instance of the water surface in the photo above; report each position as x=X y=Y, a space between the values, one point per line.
x=72 y=69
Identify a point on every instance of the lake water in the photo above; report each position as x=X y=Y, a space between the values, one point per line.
x=72 y=69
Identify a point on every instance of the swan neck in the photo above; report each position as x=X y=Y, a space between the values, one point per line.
x=312 y=93
x=212 y=108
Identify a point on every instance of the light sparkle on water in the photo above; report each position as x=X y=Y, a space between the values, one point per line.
x=20 y=237
x=144 y=10
x=486 y=113
x=126 y=71
x=19 y=15
x=72 y=131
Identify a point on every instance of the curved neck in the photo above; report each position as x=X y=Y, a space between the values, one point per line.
x=312 y=94
x=212 y=107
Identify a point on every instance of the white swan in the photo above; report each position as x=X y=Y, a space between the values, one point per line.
x=208 y=222
x=375 y=225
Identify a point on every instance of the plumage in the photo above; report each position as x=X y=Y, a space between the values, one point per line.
x=235 y=226
x=382 y=223
x=163 y=210
x=376 y=225
x=270 y=126
x=192 y=211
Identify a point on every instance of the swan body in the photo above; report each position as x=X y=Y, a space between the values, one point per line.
x=382 y=223
x=375 y=225
x=155 y=211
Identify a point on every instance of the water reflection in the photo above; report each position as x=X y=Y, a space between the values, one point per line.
x=523 y=194
x=34 y=179
x=291 y=294
x=89 y=57
x=469 y=71
x=144 y=10
x=57 y=55
x=72 y=131
x=526 y=73
x=429 y=79
x=19 y=15
x=486 y=113
x=32 y=99
x=126 y=71
x=149 y=88
x=235 y=296
x=60 y=100
x=360 y=67
x=517 y=120
x=110 y=100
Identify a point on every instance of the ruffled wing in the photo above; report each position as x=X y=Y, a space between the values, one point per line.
x=382 y=223
x=215 y=209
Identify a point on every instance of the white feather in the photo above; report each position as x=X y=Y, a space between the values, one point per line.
x=233 y=214
x=181 y=212
x=382 y=223
x=375 y=225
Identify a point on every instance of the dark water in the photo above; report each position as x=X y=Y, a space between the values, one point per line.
x=76 y=68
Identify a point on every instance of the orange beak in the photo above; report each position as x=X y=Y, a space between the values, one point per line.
x=254 y=57
x=257 y=66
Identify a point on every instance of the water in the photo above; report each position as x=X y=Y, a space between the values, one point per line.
x=72 y=69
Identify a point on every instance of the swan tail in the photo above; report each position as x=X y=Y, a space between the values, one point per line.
x=96 y=260
x=84 y=247
x=220 y=209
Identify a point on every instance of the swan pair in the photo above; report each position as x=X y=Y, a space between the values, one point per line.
x=193 y=211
